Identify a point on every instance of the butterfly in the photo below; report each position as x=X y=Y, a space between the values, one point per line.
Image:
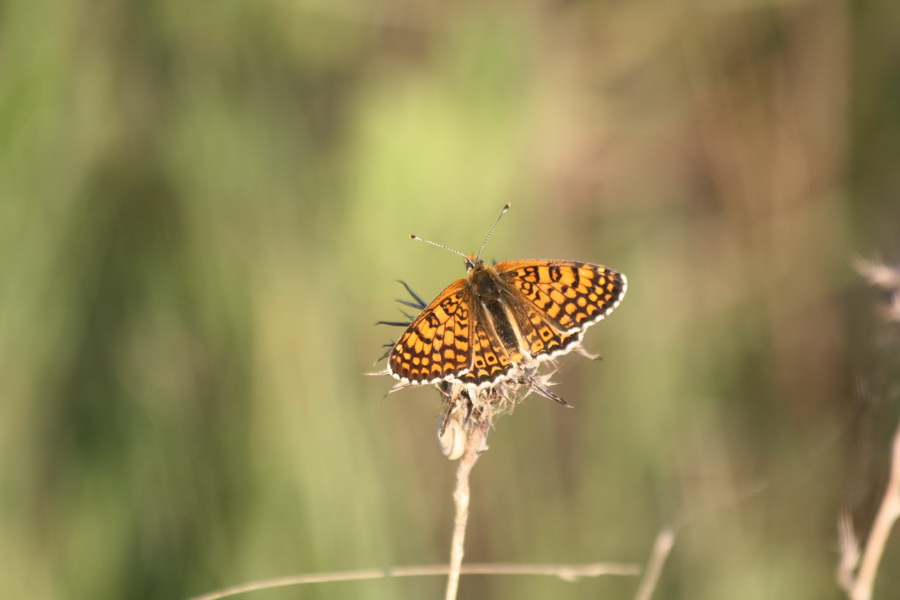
x=502 y=320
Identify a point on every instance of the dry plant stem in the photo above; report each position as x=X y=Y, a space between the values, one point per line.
x=888 y=513
x=849 y=549
x=661 y=548
x=565 y=572
x=475 y=444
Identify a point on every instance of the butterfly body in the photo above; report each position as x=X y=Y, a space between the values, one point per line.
x=501 y=318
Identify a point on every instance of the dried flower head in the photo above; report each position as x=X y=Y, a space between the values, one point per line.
x=465 y=408
x=885 y=277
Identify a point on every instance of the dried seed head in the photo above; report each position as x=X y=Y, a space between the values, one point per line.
x=886 y=277
x=466 y=407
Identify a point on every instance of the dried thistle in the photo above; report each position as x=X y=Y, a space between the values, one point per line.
x=885 y=277
x=859 y=563
x=464 y=410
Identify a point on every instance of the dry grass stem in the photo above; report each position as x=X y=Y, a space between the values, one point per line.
x=665 y=539
x=849 y=548
x=476 y=443
x=859 y=587
x=565 y=572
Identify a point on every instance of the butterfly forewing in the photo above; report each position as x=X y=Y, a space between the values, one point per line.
x=571 y=295
x=437 y=344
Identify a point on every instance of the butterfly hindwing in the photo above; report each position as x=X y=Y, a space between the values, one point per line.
x=539 y=335
x=489 y=359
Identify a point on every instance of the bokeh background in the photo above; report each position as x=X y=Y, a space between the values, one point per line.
x=204 y=209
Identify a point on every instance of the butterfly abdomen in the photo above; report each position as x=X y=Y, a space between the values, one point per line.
x=492 y=294
x=503 y=328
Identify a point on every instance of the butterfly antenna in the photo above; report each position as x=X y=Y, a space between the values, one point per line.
x=502 y=212
x=415 y=237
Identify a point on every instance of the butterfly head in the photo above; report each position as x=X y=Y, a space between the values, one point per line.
x=472 y=262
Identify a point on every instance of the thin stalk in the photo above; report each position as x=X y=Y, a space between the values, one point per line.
x=881 y=530
x=475 y=445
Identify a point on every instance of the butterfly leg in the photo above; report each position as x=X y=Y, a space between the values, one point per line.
x=580 y=350
x=543 y=391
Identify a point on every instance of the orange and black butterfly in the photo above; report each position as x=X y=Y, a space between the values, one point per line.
x=499 y=319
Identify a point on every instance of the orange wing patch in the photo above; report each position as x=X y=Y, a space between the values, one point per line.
x=571 y=295
x=436 y=345
x=489 y=359
x=538 y=334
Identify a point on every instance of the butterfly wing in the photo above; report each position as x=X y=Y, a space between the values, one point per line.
x=561 y=298
x=437 y=344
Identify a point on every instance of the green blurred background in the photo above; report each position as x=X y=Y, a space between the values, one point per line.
x=204 y=209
